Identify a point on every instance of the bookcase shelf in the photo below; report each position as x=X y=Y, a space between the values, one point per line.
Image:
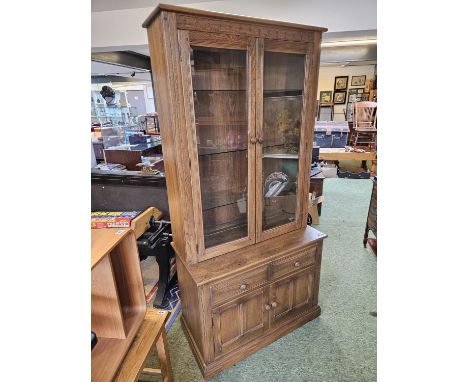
x=118 y=303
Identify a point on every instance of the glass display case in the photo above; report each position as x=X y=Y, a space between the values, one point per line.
x=220 y=106
x=119 y=113
x=282 y=122
x=237 y=115
x=115 y=122
x=248 y=107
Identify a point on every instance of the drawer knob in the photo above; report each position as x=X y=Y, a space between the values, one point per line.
x=297 y=264
x=243 y=286
x=253 y=140
x=267 y=307
x=274 y=304
x=260 y=140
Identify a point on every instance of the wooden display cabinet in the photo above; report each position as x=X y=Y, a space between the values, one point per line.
x=118 y=303
x=236 y=101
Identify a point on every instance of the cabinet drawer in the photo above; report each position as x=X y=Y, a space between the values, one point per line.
x=238 y=284
x=293 y=262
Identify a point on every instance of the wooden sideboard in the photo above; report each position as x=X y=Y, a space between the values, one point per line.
x=237 y=303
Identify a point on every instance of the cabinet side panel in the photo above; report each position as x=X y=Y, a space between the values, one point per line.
x=165 y=65
x=128 y=278
x=106 y=313
x=190 y=306
x=308 y=118
x=318 y=265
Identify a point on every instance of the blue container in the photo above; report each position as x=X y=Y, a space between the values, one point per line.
x=322 y=139
x=330 y=134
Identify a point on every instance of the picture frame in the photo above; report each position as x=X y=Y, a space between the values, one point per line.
x=360 y=90
x=341 y=83
x=326 y=96
x=358 y=80
x=339 y=97
x=365 y=97
x=352 y=98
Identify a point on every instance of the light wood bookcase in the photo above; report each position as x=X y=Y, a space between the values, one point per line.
x=118 y=303
x=236 y=100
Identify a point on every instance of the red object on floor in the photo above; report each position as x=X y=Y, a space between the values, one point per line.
x=373 y=244
x=151 y=293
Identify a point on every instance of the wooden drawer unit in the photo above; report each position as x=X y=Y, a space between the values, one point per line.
x=293 y=263
x=238 y=285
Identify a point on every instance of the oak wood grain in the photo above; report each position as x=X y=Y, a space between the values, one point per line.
x=241 y=286
x=117 y=298
x=255 y=255
x=224 y=16
x=150 y=333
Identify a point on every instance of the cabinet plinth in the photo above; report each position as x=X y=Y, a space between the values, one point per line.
x=236 y=100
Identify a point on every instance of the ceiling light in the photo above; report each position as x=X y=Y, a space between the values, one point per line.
x=349 y=42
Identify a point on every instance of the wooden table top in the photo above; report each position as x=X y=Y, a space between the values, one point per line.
x=341 y=154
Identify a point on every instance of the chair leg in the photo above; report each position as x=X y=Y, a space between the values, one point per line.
x=164 y=359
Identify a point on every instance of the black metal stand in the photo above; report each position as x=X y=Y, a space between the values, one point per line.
x=156 y=241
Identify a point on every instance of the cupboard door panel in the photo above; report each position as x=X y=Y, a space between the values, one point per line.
x=222 y=160
x=239 y=321
x=291 y=297
x=283 y=79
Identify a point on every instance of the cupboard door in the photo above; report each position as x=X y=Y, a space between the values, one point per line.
x=284 y=101
x=222 y=157
x=291 y=296
x=239 y=321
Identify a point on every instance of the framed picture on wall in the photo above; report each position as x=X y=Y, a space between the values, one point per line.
x=341 y=83
x=360 y=90
x=352 y=97
x=326 y=96
x=339 y=98
x=365 y=97
x=358 y=80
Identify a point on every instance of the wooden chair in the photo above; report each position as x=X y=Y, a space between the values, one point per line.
x=364 y=132
x=152 y=334
x=322 y=105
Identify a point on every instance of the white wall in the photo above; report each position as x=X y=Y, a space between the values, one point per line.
x=122 y=30
x=327 y=81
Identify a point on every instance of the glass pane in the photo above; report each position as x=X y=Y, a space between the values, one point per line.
x=282 y=118
x=220 y=102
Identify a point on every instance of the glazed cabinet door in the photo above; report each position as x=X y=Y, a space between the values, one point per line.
x=285 y=99
x=239 y=321
x=220 y=92
x=291 y=297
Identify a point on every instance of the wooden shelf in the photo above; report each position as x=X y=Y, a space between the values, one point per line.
x=117 y=298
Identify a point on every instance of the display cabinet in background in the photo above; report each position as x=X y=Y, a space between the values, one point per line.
x=236 y=103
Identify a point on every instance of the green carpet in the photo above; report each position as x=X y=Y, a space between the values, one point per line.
x=341 y=344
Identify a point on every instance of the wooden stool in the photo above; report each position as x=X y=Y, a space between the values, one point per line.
x=312 y=208
x=151 y=333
